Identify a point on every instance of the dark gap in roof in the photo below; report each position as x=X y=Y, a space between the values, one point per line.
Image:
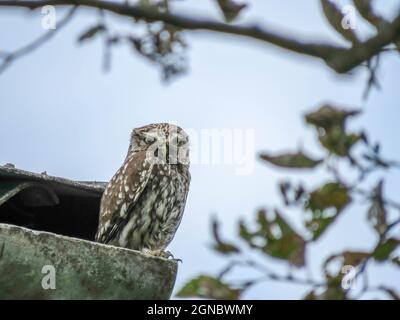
x=74 y=216
x=45 y=203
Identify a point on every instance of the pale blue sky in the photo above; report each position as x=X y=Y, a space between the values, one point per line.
x=60 y=113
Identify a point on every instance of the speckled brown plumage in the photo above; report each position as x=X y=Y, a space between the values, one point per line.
x=143 y=204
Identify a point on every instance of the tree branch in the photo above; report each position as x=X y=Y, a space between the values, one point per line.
x=339 y=58
x=8 y=58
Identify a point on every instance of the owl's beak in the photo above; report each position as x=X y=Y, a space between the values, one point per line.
x=167 y=153
x=162 y=152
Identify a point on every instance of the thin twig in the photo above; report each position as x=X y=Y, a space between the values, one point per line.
x=368 y=195
x=382 y=239
x=8 y=58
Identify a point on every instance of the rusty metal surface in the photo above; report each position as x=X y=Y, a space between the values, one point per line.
x=83 y=269
x=8 y=173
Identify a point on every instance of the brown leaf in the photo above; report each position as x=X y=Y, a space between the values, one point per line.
x=208 y=287
x=160 y=6
x=91 y=32
x=276 y=238
x=219 y=245
x=339 y=142
x=335 y=278
x=396 y=261
x=384 y=249
x=230 y=9
x=331 y=196
x=346 y=258
x=330 y=293
x=311 y=296
x=164 y=46
x=354 y=258
x=331 y=125
x=291 y=160
x=377 y=211
x=328 y=116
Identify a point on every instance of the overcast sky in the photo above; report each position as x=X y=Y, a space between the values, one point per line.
x=62 y=114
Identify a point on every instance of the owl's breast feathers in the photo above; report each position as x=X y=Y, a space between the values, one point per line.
x=143 y=204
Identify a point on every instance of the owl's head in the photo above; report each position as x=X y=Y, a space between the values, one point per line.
x=163 y=143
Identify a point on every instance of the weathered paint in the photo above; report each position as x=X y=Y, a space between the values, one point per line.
x=84 y=269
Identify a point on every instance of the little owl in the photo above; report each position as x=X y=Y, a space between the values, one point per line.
x=143 y=204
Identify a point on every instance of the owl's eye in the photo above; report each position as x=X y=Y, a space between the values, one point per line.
x=179 y=141
x=148 y=138
x=183 y=140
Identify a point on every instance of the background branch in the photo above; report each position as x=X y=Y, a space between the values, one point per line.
x=339 y=58
x=8 y=58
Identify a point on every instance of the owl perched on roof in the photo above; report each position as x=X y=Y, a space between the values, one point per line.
x=143 y=204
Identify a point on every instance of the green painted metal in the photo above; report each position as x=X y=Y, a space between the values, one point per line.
x=83 y=269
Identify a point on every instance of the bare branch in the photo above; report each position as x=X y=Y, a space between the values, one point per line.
x=364 y=7
x=367 y=196
x=8 y=58
x=340 y=59
x=364 y=51
x=335 y=18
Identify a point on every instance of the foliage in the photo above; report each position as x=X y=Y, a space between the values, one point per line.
x=209 y=287
x=273 y=236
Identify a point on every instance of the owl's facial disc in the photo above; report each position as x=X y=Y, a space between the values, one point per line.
x=164 y=143
x=150 y=137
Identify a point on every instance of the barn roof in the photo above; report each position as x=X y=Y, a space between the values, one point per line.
x=52 y=221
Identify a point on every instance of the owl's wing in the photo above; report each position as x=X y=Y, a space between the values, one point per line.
x=121 y=195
